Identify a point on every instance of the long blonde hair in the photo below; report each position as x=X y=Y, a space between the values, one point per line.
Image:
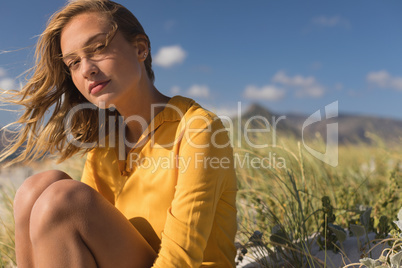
x=51 y=87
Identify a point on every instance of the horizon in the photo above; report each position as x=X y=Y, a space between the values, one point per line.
x=340 y=113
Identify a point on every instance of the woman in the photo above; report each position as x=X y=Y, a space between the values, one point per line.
x=159 y=184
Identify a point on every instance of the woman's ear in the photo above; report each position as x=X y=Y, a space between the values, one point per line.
x=141 y=42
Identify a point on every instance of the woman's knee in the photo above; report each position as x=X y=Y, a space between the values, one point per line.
x=31 y=189
x=64 y=203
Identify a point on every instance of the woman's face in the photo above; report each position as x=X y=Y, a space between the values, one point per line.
x=105 y=75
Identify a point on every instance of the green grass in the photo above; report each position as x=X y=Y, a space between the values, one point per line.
x=72 y=166
x=7 y=250
x=280 y=196
x=285 y=203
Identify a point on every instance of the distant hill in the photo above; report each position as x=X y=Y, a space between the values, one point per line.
x=352 y=129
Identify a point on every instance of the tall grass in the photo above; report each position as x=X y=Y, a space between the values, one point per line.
x=280 y=207
x=7 y=249
x=72 y=166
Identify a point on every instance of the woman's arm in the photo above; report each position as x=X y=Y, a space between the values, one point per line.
x=204 y=184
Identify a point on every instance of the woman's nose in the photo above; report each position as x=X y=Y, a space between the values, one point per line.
x=88 y=67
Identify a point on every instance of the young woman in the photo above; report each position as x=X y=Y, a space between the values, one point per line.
x=158 y=187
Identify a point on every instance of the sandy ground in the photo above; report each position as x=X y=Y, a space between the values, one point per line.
x=333 y=260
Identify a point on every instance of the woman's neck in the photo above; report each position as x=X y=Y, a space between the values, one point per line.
x=140 y=113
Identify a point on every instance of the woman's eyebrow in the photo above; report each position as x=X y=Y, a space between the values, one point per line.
x=90 y=40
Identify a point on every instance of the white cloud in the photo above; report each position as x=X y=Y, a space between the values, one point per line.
x=380 y=78
x=296 y=81
x=383 y=79
x=305 y=86
x=195 y=91
x=198 y=91
x=314 y=92
x=223 y=112
x=268 y=92
x=3 y=72
x=7 y=83
x=171 y=55
x=175 y=90
x=397 y=83
x=326 y=21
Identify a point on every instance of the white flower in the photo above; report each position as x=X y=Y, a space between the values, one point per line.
x=399 y=221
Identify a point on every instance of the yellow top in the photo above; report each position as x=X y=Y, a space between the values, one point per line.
x=177 y=186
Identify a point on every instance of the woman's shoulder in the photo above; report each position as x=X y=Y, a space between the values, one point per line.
x=201 y=125
x=193 y=111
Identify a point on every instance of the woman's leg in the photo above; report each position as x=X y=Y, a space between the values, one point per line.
x=74 y=226
x=24 y=200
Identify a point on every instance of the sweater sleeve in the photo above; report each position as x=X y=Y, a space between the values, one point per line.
x=205 y=163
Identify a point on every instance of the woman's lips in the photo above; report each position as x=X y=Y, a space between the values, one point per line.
x=96 y=87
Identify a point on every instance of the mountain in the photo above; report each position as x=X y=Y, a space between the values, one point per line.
x=352 y=129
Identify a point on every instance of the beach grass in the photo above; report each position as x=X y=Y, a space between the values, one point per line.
x=294 y=197
x=280 y=198
x=7 y=249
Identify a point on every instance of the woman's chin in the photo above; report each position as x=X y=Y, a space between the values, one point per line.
x=104 y=103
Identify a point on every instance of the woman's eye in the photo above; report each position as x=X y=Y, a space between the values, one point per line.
x=99 y=47
x=73 y=64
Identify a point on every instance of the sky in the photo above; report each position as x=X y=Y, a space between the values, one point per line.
x=288 y=56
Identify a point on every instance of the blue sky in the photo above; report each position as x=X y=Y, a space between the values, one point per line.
x=289 y=56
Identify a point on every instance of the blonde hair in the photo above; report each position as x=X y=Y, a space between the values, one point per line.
x=51 y=86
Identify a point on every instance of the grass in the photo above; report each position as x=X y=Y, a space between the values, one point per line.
x=284 y=203
x=7 y=250
x=72 y=166
x=281 y=212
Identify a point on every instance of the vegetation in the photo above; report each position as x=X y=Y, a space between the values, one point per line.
x=290 y=203
x=72 y=166
x=7 y=251
x=287 y=210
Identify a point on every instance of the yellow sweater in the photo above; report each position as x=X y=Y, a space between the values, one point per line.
x=177 y=186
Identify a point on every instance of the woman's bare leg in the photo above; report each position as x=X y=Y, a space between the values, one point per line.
x=24 y=200
x=73 y=226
